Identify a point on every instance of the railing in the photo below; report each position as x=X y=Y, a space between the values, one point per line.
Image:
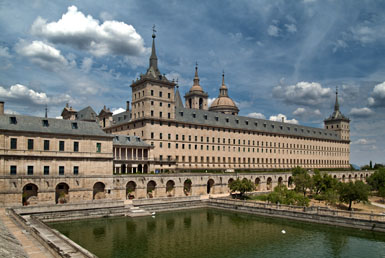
x=307 y=210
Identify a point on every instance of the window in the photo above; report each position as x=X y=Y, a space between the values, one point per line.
x=98 y=147
x=152 y=135
x=160 y=136
x=169 y=136
x=160 y=104
x=152 y=92
x=45 y=123
x=13 y=143
x=169 y=95
x=30 y=170
x=169 y=115
x=61 y=170
x=76 y=146
x=46 y=144
x=30 y=144
x=75 y=125
x=61 y=145
x=12 y=120
x=13 y=170
x=76 y=170
x=160 y=94
x=46 y=170
x=160 y=114
x=152 y=112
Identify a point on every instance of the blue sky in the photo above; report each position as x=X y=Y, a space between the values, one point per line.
x=279 y=57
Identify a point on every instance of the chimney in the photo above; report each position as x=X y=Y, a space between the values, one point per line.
x=127 y=106
x=1 y=108
x=283 y=120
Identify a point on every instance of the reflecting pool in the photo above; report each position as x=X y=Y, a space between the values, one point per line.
x=216 y=233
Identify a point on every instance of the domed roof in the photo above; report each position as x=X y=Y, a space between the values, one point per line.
x=196 y=86
x=223 y=103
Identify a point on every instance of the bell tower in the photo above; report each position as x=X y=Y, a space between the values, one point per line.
x=196 y=98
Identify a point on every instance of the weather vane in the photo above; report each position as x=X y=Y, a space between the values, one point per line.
x=153 y=29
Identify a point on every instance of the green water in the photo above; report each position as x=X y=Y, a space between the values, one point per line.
x=215 y=233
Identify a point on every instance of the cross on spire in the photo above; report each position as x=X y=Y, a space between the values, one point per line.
x=153 y=31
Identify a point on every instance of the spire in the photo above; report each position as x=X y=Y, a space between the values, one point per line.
x=153 y=68
x=223 y=78
x=336 y=105
x=196 y=78
x=46 y=111
x=223 y=88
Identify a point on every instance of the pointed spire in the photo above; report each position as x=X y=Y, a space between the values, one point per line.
x=196 y=78
x=336 y=105
x=46 y=111
x=153 y=57
x=223 y=78
x=223 y=88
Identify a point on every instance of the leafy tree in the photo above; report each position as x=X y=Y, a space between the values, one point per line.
x=283 y=195
x=350 y=192
x=378 y=166
x=366 y=167
x=302 y=180
x=381 y=192
x=377 y=179
x=370 y=164
x=241 y=186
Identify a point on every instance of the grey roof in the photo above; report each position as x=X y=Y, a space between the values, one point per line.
x=86 y=114
x=178 y=99
x=337 y=115
x=120 y=118
x=210 y=118
x=129 y=141
x=55 y=126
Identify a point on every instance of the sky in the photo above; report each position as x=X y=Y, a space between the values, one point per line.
x=280 y=58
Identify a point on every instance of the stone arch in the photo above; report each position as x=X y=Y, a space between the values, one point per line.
x=210 y=186
x=343 y=178
x=151 y=189
x=350 y=178
x=130 y=190
x=258 y=184
x=30 y=192
x=187 y=187
x=98 y=191
x=355 y=177
x=269 y=184
x=280 y=180
x=229 y=182
x=61 y=193
x=361 y=177
x=200 y=103
x=335 y=176
x=290 y=182
x=170 y=188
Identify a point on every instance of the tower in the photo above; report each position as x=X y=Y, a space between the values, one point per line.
x=224 y=104
x=196 y=98
x=153 y=94
x=338 y=122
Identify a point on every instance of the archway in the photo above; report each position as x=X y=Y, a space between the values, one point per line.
x=98 y=192
x=170 y=188
x=61 y=193
x=355 y=177
x=269 y=184
x=258 y=183
x=123 y=169
x=290 y=182
x=145 y=168
x=200 y=103
x=280 y=179
x=30 y=192
x=130 y=190
x=210 y=185
x=361 y=177
x=151 y=187
x=350 y=178
x=343 y=178
x=140 y=168
x=187 y=187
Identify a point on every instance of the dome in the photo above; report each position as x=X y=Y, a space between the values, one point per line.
x=224 y=104
x=223 y=101
x=196 y=88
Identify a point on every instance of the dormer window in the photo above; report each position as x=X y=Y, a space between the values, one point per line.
x=264 y=125
x=13 y=120
x=128 y=139
x=45 y=123
x=117 y=138
x=281 y=127
x=227 y=120
x=138 y=139
x=206 y=117
x=194 y=115
x=288 y=128
x=74 y=125
x=256 y=124
x=246 y=122
x=181 y=113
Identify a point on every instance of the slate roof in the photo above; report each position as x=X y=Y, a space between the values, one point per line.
x=55 y=126
x=129 y=141
x=86 y=114
x=120 y=118
x=210 y=118
x=178 y=99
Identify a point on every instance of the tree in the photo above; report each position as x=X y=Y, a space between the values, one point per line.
x=302 y=180
x=377 y=179
x=350 y=192
x=241 y=186
x=283 y=195
x=370 y=164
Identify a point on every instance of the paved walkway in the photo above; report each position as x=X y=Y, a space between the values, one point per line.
x=378 y=204
x=30 y=245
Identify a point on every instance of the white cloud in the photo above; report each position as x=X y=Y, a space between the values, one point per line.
x=360 y=112
x=256 y=115
x=303 y=93
x=210 y=101
x=85 y=33
x=273 y=31
x=4 y=52
x=361 y=142
x=279 y=117
x=116 y=111
x=377 y=98
x=307 y=114
x=87 y=64
x=42 y=54
x=11 y=112
x=25 y=96
x=292 y=28
x=339 y=44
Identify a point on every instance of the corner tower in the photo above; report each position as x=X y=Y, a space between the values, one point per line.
x=152 y=93
x=196 y=98
x=338 y=122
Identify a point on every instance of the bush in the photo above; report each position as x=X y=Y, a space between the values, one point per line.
x=282 y=195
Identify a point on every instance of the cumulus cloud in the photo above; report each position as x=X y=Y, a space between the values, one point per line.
x=273 y=30
x=116 y=111
x=361 y=142
x=303 y=93
x=256 y=115
x=210 y=101
x=25 y=96
x=377 y=98
x=307 y=114
x=4 y=52
x=85 y=33
x=42 y=54
x=360 y=112
x=292 y=28
x=279 y=118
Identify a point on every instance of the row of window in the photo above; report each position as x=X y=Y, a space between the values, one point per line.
x=46 y=145
x=137 y=105
x=152 y=93
x=46 y=170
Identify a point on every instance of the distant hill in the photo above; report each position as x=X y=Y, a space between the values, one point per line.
x=356 y=167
